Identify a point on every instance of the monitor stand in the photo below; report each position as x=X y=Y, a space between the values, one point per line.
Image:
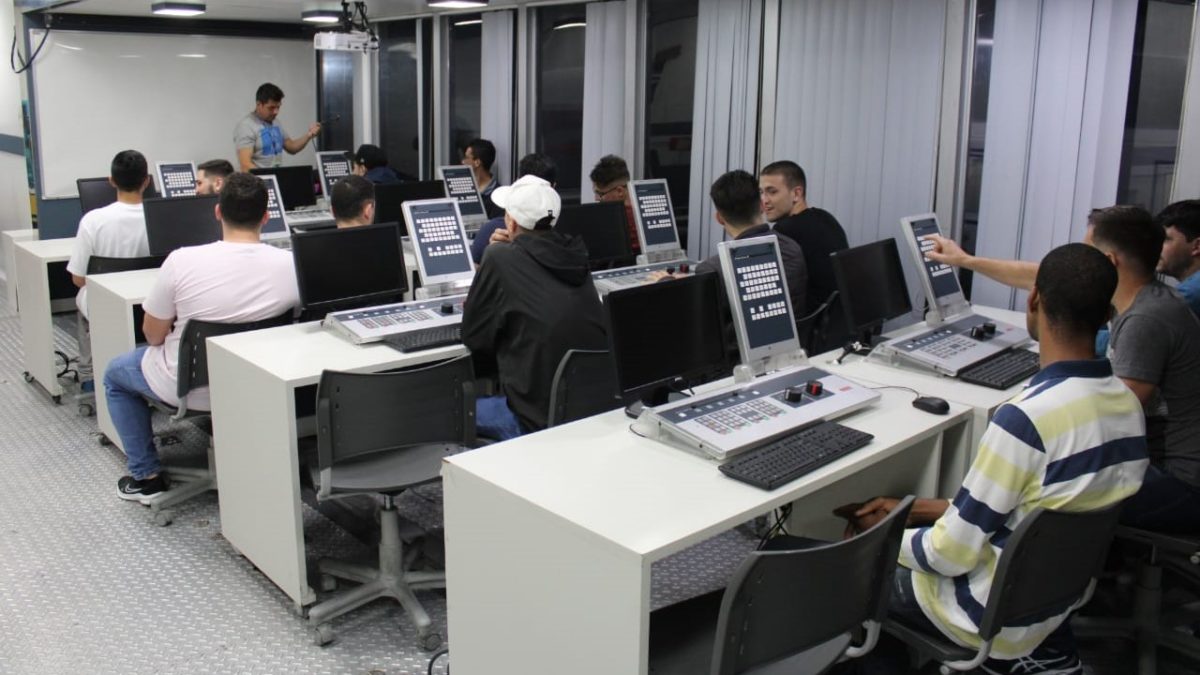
x=657 y=397
x=431 y=291
x=655 y=257
x=744 y=373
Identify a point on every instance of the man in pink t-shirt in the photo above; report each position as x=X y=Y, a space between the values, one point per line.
x=235 y=280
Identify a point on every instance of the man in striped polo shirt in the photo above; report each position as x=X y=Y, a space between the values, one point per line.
x=1073 y=440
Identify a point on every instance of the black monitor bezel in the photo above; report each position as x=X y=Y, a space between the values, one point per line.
x=283 y=193
x=843 y=267
x=149 y=207
x=358 y=301
x=619 y=234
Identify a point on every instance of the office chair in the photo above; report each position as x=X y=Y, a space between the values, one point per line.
x=585 y=384
x=792 y=611
x=1156 y=621
x=1049 y=564
x=193 y=374
x=382 y=433
x=812 y=329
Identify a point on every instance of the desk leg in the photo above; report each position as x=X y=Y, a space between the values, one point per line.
x=112 y=336
x=258 y=470
x=37 y=327
x=529 y=593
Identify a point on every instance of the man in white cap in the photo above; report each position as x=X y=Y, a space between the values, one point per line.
x=532 y=300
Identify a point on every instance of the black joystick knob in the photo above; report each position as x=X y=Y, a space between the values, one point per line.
x=670 y=270
x=793 y=394
x=684 y=268
x=814 y=388
x=978 y=332
x=447 y=308
x=989 y=328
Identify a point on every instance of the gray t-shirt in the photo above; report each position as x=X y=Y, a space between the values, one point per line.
x=1157 y=340
x=265 y=139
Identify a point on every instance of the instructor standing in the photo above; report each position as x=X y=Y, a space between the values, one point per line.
x=260 y=143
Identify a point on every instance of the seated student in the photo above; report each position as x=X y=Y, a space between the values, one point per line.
x=735 y=199
x=784 y=191
x=371 y=162
x=352 y=201
x=114 y=231
x=211 y=175
x=610 y=183
x=532 y=300
x=480 y=155
x=236 y=280
x=1181 y=250
x=1073 y=440
x=494 y=230
x=1155 y=350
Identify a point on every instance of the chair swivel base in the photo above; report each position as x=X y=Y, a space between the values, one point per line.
x=391 y=579
x=186 y=483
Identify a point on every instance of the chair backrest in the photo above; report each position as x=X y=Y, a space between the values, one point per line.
x=1047 y=565
x=585 y=384
x=360 y=414
x=101 y=265
x=781 y=603
x=193 y=347
x=812 y=328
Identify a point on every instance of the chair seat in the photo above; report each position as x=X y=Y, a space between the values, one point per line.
x=390 y=472
x=936 y=646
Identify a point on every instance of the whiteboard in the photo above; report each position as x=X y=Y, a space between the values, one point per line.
x=171 y=97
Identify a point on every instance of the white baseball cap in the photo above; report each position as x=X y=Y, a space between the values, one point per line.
x=529 y=201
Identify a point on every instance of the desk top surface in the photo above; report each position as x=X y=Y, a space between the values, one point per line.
x=20 y=235
x=653 y=499
x=132 y=286
x=51 y=250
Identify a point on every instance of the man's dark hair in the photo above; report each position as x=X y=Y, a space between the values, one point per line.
x=349 y=196
x=1183 y=216
x=243 y=201
x=216 y=167
x=268 y=92
x=610 y=169
x=483 y=150
x=128 y=170
x=370 y=156
x=537 y=164
x=735 y=196
x=1130 y=231
x=1076 y=283
x=792 y=174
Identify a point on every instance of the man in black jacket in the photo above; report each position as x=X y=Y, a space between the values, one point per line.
x=532 y=300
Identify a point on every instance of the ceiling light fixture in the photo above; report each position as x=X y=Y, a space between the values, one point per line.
x=321 y=15
x=456 y=4
x=574 y=23
x=468 y=22
x=177 y=8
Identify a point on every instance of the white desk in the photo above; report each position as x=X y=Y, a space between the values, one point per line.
x=252 y=378
x=111 y=300
x=37 y=327
x=550 y=538
x=8 y=243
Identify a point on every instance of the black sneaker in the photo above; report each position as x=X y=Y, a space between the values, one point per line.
x=131 y=489
x=1027 y=665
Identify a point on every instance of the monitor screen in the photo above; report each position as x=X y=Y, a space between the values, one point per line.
x=602 y=227
x=181 y=221
x=349 y=268
x=755 y=282
x=389 y=199
x=439 y=241
x=666 y=336
x=177 y=178
x=655 y=218
x=941 y=278
x=871 y=284
x=333 y=166
x=276 y=225
x=95 y=193
x=460 y=185
x=295 y=184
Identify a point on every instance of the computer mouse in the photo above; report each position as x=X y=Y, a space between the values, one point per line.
x=932 y=405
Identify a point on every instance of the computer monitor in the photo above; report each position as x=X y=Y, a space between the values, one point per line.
x=439 y=241
x=602 y=227
x=95 y=193
x=276 y=226
x=654 y=215
x=295 y=184
x=173 y=223
x=349 y=268
x=460 y=184
x=389 y=199
x=332 y=166
x=177 y=178
x=871 y=284
x=666 y=337
x=940 y=283
x=758 y=297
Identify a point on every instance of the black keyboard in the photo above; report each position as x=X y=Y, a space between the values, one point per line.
x=1002 y=370
x=425 y=338
x=786 y=459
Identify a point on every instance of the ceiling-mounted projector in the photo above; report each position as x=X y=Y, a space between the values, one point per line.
x=352 y=41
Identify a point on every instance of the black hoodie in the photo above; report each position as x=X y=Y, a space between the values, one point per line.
x=532 y=300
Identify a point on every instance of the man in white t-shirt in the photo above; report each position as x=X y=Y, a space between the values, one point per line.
x=114 y=231
x=235 y=280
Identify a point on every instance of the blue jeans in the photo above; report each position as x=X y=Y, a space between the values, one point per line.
x=494 y=419
x=1163 y=504
x=125 y=388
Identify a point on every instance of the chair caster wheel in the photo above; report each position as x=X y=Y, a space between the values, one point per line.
x=323 y=635
x=430 y=641
x=27 y=376
x=57 y=399
x=164 y=518
x=103 y=440
x=329 y=583
x=86 y=410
